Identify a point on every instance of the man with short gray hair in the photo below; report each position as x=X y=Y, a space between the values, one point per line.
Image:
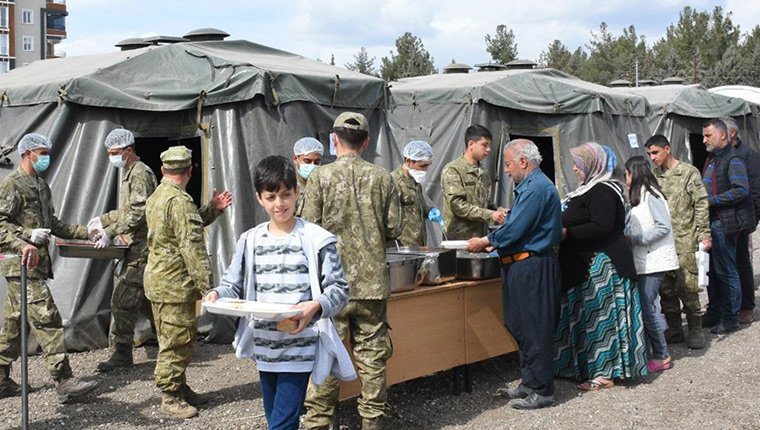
x=743 y=254
x=530 y=274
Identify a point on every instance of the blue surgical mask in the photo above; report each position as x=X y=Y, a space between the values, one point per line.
x=305 y=170
x=117 y=161
x=42 y=163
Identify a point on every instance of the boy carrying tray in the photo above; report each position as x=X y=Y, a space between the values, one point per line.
x=278 y=262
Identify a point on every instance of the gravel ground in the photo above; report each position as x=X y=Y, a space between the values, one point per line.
x=713 y=388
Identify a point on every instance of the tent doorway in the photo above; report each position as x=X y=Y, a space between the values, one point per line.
x=149 y=150
x=698 y=151
x=545 y=146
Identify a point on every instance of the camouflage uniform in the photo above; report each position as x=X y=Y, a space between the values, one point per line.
x=300 y=201
x=358 y=202
x=26 y=204
x=687 y=201
x=177 y=274
x=413 y=209
x=466 y=192
x=137 y=184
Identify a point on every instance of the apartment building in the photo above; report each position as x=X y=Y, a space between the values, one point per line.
x=29 y=31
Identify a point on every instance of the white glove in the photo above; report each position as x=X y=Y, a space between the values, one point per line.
x=103 y=242
x=94 y=229
x=40 y=235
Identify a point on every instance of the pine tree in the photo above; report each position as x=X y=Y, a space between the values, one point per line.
x=411 y=59
x=502 y=46
x=362 y=63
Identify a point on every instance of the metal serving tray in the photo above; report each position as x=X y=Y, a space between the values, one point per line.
x=439 y=265
x=477 y=265
x=85 y=249
x=402 y=271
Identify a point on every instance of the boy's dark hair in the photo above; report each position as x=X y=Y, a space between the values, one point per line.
x=475 y=132
x=657 y=140
x=353 y=138
x=273 y=171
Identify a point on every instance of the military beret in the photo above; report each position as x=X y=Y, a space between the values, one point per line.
x=342 y=121
x=176 y=157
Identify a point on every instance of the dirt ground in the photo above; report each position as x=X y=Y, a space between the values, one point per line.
x=713 y=388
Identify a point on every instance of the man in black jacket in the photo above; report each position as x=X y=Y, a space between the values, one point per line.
x=743 y=254
x=731 y=212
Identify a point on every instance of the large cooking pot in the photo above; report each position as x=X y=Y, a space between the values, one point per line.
x=439 y=265
x=403 y=271
x=477 y=265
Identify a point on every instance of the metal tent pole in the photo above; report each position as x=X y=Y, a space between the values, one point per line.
x=24 y=357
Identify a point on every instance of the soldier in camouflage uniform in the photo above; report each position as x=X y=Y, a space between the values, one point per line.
x=418 y=156
x=467 y=189
x=358 y=202
x=307 y=155
x=682 y=186
x=128 y=299
x=177 y=274
x=27 y=218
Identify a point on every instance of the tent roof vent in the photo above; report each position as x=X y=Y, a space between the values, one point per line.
x=206 y=34
x=457 y=68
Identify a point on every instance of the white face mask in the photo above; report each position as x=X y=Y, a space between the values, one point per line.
x=418 y=175
x=117 y=161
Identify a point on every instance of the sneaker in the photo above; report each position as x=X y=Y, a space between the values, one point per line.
x=746 y=316
x=724 y=328
x=520 y=392
x=176 y=407
x=533 y=401
x=72 y=389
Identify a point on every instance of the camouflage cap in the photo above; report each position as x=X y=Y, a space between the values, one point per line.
x=341 y=121
x=177 y=157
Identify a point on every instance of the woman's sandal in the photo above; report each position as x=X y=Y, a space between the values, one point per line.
x=654 y=366
x=596 y=384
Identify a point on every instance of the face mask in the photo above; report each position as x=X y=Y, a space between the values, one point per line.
x=305 y=170
x=417 y=175
x=42 y=163
x=117 y=161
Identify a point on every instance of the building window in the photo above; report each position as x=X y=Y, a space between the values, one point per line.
x=27 y=16
x=28 y=43
x=3 y=16
x=4 y=66
x=3 y=44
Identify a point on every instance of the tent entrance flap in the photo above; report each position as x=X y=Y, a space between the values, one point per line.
x=697 y=150
x=149 y=150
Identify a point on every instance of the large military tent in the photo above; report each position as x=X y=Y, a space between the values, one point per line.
x=231 y=102
x=679 y=111
x=554 y=109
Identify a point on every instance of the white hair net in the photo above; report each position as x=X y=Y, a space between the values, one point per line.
x=307 y=145
x=33 y=141
x=119 y=138
x=418 y=150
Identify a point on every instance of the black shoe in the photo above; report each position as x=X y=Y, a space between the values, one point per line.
x=533 y=401
x=520 y=392
x=724 y=328
x=709 y=321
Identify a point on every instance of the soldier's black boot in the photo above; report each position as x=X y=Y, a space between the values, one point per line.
x=8 y=387
x=696 y=336
x=674 y=333
x=121 y=357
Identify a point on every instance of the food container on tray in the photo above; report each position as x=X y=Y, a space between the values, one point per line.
x=85 y=249
x=402 y=271
x=439 y=265
x=477 y=265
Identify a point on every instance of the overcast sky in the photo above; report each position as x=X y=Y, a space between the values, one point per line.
x=449 y=29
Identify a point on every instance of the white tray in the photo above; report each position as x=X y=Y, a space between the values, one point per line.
x=258 y=310
x=454 y=244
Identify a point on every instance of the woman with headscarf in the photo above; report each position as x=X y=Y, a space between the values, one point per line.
x=600 y=334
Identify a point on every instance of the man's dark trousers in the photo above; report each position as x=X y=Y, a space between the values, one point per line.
x=744 y=267
x=531 y=297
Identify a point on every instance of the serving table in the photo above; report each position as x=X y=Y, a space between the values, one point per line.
x=435 y=328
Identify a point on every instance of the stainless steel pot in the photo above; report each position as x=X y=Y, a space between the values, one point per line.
x=439 y=265
x=402 y=271
x=477 y=265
